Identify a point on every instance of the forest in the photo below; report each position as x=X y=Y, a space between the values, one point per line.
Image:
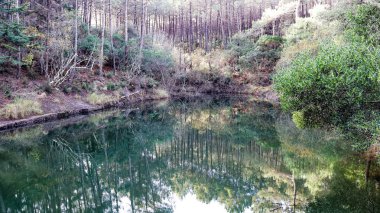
x=318 y=59
x=253 y=105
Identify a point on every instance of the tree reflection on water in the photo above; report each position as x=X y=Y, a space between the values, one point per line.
x=243 y=156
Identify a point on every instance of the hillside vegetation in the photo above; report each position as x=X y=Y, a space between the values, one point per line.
x=323 y=56
x=329 y=72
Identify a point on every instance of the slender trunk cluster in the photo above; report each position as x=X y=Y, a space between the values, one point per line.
x=195 y=24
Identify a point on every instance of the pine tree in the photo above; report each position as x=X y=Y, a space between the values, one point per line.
x=12 y=35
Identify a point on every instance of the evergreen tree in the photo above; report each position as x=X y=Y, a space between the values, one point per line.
x=12 y=34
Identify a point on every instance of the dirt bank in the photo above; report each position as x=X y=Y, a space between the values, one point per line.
x=60 y=106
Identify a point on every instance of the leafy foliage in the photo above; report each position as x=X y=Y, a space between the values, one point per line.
x=12 y=37
x=156 y=60
x=89 y=44
x=331 y=85
x=258 y=56
x=363 y=24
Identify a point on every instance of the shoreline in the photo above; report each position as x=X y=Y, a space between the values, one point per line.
x=122 y=102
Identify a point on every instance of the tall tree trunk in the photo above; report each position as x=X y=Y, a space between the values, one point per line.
x=298 y=7
x=101 y=55
x=76 y=36
x=140 y=56
x=228 y=23
x=46 y=71
x=206 y=35
x=222 y=22
x=111 y=35
x=96 y=18
x=181 y=25
x=18 y=48
x=211 y=29
x=85 y=11
x=90 y=16
x=191 y=28
x=126 y=30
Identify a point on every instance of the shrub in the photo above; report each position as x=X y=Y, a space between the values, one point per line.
x=331 y=85
x=109 y=75
x=21 y=108
x=363 y=24
x=72 y=88
x=298 y=118
x=148 y=82
x=112 y=86
x=46 y=88
x=261 y=55
x=99 y=99
x=6 y=90
x=156 y=61
x=242 y=43
x=86 y=86
x=118 y=47
x=302 y=29
x=89 y=44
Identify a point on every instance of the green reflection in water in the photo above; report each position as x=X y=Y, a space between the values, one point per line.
x=242 y=154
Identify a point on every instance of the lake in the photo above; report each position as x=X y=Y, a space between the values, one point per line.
x=200 y=155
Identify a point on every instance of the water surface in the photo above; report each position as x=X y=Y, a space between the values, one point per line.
x=213 y=155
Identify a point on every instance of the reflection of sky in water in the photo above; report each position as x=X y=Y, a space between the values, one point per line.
x=190 y=204
x=187 y=204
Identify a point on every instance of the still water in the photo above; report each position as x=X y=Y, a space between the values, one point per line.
x=212 y=155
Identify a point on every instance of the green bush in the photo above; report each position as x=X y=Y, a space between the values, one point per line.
x=149 y=83
x=267 y=53
x=156 y=61
x=257 y=56
x=89 y=44
x=241 y=44
x=6 y=89
x=298 y=118
x=86 y=86
x=302 y=29
x=331 y=85
x=270 y=42
x=92 y=43
x=112 y=86
x=46 y=88
x=363 y=24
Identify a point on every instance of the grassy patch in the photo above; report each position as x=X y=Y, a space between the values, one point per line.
x=160 y=94
x=99 y=99
x=21 y=108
